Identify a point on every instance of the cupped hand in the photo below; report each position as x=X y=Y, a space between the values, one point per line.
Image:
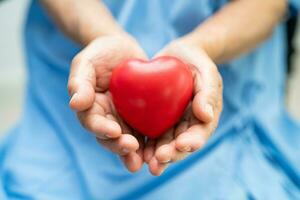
x=88 y=87
x=201 y=116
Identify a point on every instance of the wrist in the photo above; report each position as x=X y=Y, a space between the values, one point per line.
x=87 y=37
x=205 y=43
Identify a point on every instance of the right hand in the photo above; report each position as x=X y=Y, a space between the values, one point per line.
x=88 y=85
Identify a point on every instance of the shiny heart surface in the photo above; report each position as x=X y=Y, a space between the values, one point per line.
x=151 y=96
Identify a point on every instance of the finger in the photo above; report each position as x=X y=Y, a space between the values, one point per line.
x=202 y=105
x=149 y=150
x=163 y=150
x=140 y=150
x=125 y=128
x=123 y=145
x=193 y=138
x=141 y=141
x=99 y=120
x=132 y=161
x=81 y=84
x=157 y=168
x=208 y=91
x=172 y=155
x=181 y=127
x=102 y=127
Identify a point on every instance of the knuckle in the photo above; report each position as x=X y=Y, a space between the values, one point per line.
x=216 y=91
x=72 y=84
x=88 y=122
x=199 y=142
x=220 y=81
x=213 y=96
x=77 y=60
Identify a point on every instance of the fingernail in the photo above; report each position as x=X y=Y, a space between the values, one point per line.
x=166 y=161
x=107 y=136
x=187 y=149
x=125 y=150
x=73 y=97
x=209 y=110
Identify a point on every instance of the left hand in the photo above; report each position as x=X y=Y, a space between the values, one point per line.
x=201 y=117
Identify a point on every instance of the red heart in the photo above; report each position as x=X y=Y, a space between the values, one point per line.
x=151 y=96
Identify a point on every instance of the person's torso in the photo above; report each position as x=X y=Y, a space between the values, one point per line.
x=252 y=82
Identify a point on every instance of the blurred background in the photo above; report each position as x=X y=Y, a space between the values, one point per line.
x=13 y=75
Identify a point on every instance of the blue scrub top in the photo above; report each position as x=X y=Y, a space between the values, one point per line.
x=254 y=154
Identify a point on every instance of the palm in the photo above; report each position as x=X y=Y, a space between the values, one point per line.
x=200 y=118
x=89 y=82
x=103 y=106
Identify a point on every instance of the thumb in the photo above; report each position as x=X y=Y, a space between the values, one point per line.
x=81 y=84
x=207 y=86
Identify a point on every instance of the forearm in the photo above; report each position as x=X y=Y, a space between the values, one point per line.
x=237 y=28
x=82 y=20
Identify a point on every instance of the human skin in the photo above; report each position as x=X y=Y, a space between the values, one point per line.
x=232 y=31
